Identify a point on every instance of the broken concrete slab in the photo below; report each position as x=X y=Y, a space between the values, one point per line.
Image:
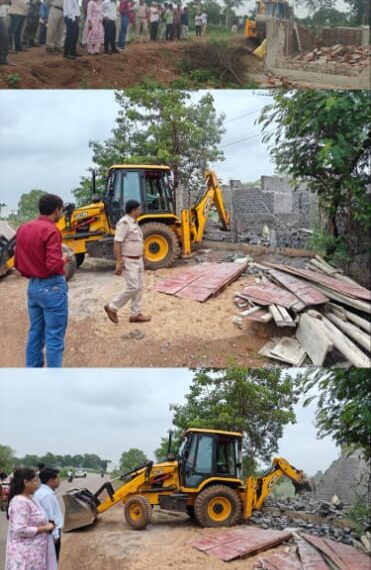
x=289 y=350
x=360 y=337
x=313 y=338
x=231 y=544
x=344 y=557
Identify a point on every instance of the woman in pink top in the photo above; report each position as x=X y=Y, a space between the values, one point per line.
x=30 y=543
x=93 y=34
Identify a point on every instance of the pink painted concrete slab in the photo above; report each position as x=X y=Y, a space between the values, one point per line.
x=310 y=557
x=268 y=293
x=309 y=295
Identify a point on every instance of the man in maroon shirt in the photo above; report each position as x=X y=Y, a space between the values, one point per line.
x=38 y=256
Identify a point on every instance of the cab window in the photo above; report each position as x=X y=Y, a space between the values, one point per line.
x=226 y=460
x=126 y=186
x=204 y=458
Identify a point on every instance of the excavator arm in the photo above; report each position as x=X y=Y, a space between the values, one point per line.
x=194 y=220
x=258 y=488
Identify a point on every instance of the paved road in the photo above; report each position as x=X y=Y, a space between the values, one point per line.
x=6 y=230
x=92 y=482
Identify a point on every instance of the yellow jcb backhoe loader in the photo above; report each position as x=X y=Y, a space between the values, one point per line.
x=203 y=480
x=90 y=229
x=256 y=30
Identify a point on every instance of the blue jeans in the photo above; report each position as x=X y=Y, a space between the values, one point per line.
x=123 y=29
x=48 y=315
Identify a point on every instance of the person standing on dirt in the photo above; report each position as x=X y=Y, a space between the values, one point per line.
x=154 y=18
x=141 y=21
x=4 y=42
x=177 y=21
x=198 y=24
x=45 y=497
x=55 y=29
x=185 y=23
x=109 y=25
x=71 y=12
x=169 y=21
x=17 y=12
x=129 y=250
x=124 y=22
x=39 y=257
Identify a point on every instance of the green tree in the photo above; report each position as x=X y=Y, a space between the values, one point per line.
x=230 y=6
x=323 y=137
x=131 y=459
x=343 y=405
x=7 y=459
x=159 y=125
x=28 y=205
x=257 y=402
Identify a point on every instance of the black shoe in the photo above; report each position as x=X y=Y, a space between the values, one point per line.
x=75 y=55
x=107 y=52
x=69 y=57
x=115 y=51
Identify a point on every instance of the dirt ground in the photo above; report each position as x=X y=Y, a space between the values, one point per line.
x=182 y=333
x=138 y=61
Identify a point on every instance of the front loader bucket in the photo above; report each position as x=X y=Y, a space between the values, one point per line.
x=80 y=509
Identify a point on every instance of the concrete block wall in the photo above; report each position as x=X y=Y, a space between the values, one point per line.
x=345 y=477
x=274 y=205
x=345 y=35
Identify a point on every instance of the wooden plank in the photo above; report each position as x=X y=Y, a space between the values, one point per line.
x=313 y=337
x=344 y=299
x=349 y=289
x=278 y=319
x=343 y=343
x=308 y=294
x=310 y=558
x=356 y=319
x=351 y=330
x=289 y=322
x=289 y=350
x=345 y=557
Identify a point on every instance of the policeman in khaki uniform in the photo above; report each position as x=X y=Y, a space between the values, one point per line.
x=129 y=249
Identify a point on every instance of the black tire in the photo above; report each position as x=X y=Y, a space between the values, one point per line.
x=138 y=512
x=222 y=503
x=79 y=259
x=166 y=240
x=71 y=266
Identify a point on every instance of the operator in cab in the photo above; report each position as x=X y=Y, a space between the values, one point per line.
x=129 y=252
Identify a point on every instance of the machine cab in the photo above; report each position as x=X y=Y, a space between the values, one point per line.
x=209 y=453
x=151 y=186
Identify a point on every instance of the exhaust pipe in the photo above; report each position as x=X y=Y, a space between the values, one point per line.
x=80 y=509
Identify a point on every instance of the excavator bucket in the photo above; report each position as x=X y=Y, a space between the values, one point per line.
x=80 y=509
x=6 y=254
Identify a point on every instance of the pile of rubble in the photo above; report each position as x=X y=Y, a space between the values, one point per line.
x=326 y=314
x=319 y=518
x=357 y=56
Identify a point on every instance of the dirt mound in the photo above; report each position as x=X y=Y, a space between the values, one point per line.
x=161 y=61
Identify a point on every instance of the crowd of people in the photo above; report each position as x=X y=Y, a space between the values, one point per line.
x=35 y=519
x=99 y=25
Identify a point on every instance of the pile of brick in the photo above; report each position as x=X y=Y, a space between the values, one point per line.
x=357 y=56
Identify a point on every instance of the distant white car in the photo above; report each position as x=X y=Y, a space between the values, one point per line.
x=80 y=473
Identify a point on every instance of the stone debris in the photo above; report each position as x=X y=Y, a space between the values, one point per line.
x=329 y=313
x=355 y=56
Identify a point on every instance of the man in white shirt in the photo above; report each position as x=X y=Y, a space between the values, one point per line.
x=109 y=11
x=46 y=498
x=71 y=13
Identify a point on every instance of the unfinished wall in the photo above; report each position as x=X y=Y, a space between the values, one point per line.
x=345 y=36
x=273 y=214
x=345 y=477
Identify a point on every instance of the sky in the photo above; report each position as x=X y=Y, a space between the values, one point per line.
x=44 y=137
x=108 y=411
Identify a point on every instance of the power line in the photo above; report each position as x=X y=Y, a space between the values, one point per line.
x=242 y=116
x=241 y=140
